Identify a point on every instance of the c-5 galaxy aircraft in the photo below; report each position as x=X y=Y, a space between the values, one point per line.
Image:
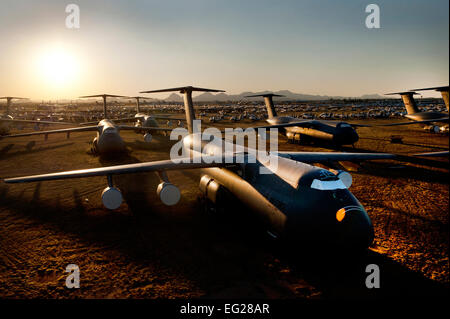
x=301 y=131
x=420 y=117
x=108 y=139
x=293 y=199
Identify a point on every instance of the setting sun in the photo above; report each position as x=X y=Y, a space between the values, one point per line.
x=58 y=66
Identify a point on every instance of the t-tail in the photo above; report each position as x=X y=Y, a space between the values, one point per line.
x=442 y=89
x=188 y=104
x=104 y=96
x=268 y=99
x=408 y=100
x=138 y=103
x=9 y=100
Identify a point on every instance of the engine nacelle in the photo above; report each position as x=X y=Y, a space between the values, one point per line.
x=210 y=188
x=148 y=137
x=432 y=128
x=112 y=197
x=168 y=193
x=344 y=176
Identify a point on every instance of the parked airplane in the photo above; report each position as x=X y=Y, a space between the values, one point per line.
x=7 y=118
x=108 y=139
x=301 y=131
x=428 y=118
x=296 y=201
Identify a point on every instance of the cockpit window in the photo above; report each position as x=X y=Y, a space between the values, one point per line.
x=327 y=185
x=326 y=180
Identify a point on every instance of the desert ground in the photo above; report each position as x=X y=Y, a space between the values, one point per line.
x=148 y=250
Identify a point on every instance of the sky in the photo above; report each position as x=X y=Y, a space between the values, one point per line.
x=311 y=46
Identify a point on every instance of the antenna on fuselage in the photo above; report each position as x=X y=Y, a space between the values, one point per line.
x=104 y=96
x=8 y=101
x=268 y=99
x=442 y=89
x=188 y=104
x=408 y=101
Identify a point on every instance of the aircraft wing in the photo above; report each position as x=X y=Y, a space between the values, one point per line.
x=434 y=154
x=444 y=119
x=165 y=117
x=123 y=169
x=114 y=120
x=305 y=123
x=64 y=130
x=145 y=128
x=317 y=157
x=34 y=121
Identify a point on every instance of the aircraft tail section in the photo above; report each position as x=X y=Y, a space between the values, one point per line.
x=442 y=89
x=188 y=104
x=408 y=101
x=268 y=100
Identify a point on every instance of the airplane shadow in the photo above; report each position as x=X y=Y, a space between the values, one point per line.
x=417 y=173
x=29 y=149
x=341 y=276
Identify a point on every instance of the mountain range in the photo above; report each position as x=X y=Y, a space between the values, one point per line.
x=287 y=95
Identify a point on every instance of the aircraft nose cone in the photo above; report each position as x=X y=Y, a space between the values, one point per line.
x=354 y=230
x=110 y=143
x=346 y=136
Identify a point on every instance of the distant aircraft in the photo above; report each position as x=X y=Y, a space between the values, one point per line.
x=108 y=139
x=420 y=117
x=297 y=201
x=301 y=131
x=7 y=118
x=149 y=120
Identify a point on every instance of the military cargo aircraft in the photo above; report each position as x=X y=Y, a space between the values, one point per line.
x=108 y=139
x=427 y=118
x=293 y=199
x=304 y=131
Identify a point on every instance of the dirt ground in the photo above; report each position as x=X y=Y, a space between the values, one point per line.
x=148 y=250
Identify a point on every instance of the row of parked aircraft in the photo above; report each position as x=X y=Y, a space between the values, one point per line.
x=297 y=201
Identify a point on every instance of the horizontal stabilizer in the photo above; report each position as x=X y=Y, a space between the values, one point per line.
x=401 y=93
x=102 y=95
x=436 y=88
x=183 y=89
x=13 y=98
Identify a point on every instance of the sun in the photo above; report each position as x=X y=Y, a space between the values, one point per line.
x=58 y=66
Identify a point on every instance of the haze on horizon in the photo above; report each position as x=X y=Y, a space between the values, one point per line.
x=311 y=47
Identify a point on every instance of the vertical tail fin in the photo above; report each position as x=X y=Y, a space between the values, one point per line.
x=269 y=103
x=442 y=89
x=188 y=104
x=408 y=101
x=9 y=100
x=104 y=96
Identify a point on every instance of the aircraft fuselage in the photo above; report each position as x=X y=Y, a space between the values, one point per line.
x=108 y=139
x=341 y=134
x=297 y=201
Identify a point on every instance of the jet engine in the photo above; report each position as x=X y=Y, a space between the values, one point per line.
x=215 y=192
x=111 y=197
x=168 y=193
x=147 y=137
